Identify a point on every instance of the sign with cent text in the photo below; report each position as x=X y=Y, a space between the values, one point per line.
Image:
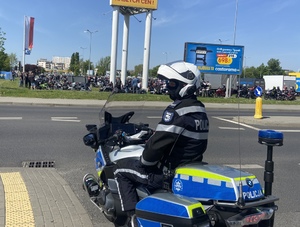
x=214 y=58
x=143 y=4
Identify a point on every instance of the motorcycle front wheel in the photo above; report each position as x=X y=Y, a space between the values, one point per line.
x=268 y=223
x=120 y=222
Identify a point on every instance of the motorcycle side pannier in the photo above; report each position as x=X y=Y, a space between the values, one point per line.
x=169 y=210
x=213 y=182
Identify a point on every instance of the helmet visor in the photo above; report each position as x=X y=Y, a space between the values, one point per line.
x=172 y=84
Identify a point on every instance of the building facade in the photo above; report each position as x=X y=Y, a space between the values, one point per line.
x=59 y=60
x=57 y=63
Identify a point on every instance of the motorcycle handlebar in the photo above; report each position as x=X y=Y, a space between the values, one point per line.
x=142 y=126
x=112 y=138
x=121 y=139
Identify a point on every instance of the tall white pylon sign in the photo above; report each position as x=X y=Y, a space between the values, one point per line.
x=128 y=9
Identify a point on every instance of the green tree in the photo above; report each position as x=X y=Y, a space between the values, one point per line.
x=81 y=66
x=2 y=40
x=86 y=65
x=13 y=60
x=75 y=64
x=138 y=70
x=262 y=70
x=249 y=72
x=128 y=73
x=274 y=67
x=153 y=71
x=4 y=60
x=103 y=65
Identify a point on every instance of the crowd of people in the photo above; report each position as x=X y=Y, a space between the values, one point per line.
x=133 y=84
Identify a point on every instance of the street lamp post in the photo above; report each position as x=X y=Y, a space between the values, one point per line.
x=245 y=66
x=166 y=53
x=221 y=41
x=229 y=85
x=235 y=20
x=91 y=33
x=82 y=48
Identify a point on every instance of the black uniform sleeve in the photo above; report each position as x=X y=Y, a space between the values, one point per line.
x=157 y=146
x=161 y=143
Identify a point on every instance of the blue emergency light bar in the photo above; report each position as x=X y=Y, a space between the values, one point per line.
x=270 y=137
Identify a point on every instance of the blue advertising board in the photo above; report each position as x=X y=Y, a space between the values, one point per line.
x=214 y=58
x=297 y=84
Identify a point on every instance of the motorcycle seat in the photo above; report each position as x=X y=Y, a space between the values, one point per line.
x=144 y=191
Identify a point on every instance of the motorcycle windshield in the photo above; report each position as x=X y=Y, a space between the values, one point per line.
x=130 y=116
x=111 y=114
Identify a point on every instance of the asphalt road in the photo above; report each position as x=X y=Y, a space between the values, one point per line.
x=55 y=133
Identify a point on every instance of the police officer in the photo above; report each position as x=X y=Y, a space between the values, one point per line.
x=180 y=137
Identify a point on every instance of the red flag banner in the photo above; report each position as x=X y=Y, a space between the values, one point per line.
x=29 y=26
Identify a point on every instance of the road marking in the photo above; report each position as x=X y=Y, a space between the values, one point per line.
x=289 y=130
x=231 y=128
x=246 y=166
x=251 y=127
x=154 y=117
x=237 y=123
x=18 y=210
x=67 y=119
x=11 y=118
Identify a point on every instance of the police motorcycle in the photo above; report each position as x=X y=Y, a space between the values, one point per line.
x=196 y=194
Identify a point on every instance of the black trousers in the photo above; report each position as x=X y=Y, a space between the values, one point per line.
x=129 y=174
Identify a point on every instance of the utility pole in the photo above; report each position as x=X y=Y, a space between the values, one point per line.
x=82 y=48
x=91 y=33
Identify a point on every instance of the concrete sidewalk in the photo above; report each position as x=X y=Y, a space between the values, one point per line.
x=38 y=197
x=95 y=103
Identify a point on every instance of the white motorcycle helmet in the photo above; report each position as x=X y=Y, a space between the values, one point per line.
x=183 y=78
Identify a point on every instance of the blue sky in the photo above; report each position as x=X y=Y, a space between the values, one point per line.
x=267 y=29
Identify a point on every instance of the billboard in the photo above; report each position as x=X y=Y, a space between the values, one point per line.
x=214 y=58
x=144 y=4
x=297 y=84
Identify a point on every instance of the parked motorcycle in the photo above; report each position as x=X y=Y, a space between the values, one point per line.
x=196 y=194
x=247 y=93
x=289 y=95
x=220 y=92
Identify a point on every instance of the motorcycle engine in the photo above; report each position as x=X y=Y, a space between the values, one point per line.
x=105 y=200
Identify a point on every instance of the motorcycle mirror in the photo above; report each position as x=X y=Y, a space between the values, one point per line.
x=91 y=140
x=91 y=127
